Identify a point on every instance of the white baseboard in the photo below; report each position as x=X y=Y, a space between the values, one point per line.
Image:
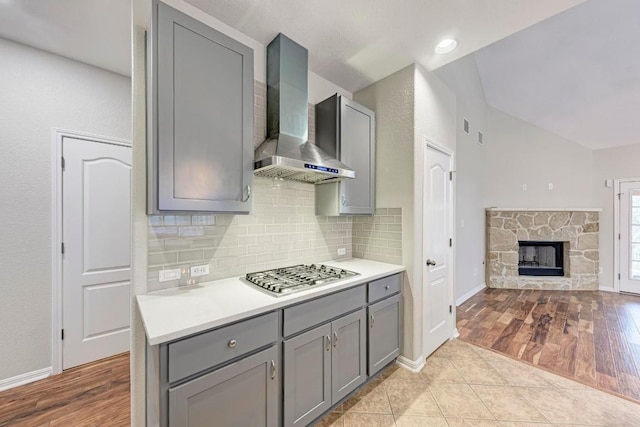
x=607 y=289
x=412 y=365
x=455 y=334
x=471 y=293
x=23 y=379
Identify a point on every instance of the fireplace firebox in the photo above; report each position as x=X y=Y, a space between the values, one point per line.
x=541 y=258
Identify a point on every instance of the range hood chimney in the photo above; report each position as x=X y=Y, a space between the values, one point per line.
x=287 y=153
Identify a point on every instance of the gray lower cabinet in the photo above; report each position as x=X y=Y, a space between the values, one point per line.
x=245 y=393
x=384 y=333
x=200 y=118
x=322 y=366
x=348 y=355
x=307 y=376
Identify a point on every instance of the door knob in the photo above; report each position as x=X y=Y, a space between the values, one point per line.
x=431 y=263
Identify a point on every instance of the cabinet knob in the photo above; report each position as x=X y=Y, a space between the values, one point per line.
x=387 y=287
x=273 y=369
x=431 y=263
x=232 y=343
x=335 y=338
x=373 y=320
x=344 y=200
x=328 y=342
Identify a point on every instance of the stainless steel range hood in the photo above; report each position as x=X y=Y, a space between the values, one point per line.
x=286 y=153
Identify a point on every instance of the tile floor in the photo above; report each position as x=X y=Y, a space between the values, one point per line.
x=464 y=385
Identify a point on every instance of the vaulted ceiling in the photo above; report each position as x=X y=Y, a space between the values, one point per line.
x=96 y=32
x=576 y=74
x=357 y=42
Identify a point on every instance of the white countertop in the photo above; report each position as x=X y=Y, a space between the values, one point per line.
x=175 y=313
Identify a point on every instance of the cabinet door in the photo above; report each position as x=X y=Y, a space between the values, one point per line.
x=357 y=149
x=242 y=394
x=307 y=376
x=202 y=83
x=384 y=333
x=348 y=358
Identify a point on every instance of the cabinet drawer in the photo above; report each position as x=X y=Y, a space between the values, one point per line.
x=382 y=288
x=306 y=315
x=195 y=354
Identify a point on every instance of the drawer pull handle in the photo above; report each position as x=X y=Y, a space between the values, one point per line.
x=273 y=369
x=335 y=338
x=373 y=320
x=232 y=343
x=328 y=342
x=387 y=287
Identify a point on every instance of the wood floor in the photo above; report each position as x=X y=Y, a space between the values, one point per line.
x=96 y=394
x=592 y=337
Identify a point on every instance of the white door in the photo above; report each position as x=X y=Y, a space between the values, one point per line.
x=630 y=237
x=437 y=226
x=96 y=229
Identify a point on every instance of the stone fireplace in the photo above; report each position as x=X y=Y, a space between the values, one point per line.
x=543 y=249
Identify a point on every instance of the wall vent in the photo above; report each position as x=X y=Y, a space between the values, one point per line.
x=480 y=138
x=465 y=126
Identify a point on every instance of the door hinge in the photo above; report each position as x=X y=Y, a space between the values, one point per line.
x=62 y=163
x=62 y=247
x=619 y=276
x=619 y=236
x=62 y=334
x=450 y=175
x=450 y=243
x=450 y=309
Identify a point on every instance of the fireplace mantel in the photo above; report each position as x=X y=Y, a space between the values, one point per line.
x=544 y=209
x=578 y=228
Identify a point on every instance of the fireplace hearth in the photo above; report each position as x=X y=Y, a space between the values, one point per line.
x=540 y=258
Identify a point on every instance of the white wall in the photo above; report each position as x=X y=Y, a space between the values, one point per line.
x=612 y=163
x=410 y=104
x=40 y=92
x=392 y=98
x=435 y=119
x=463 y=79
x=518 y=153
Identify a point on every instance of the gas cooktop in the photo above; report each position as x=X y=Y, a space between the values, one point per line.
x=286 y=280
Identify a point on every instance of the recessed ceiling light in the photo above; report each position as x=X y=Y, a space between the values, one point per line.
x=446 y=46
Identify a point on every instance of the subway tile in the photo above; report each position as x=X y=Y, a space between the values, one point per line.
x=194 y=255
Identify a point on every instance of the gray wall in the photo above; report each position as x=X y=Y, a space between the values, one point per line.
x=463 y=79
x=40 y=92
x=518 y=153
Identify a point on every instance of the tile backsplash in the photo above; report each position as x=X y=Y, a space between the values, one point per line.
x=379 y=237
x=283 y=230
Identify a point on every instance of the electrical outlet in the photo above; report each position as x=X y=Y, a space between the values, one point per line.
x=167 y=275
x=550 y=186
x=601 y=270
x=199 y=270
x=524 y=187
x=342 y=251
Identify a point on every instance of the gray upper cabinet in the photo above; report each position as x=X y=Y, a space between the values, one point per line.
x=346 y=130
x=242 y=394
x=384 y=333
x=200 y=129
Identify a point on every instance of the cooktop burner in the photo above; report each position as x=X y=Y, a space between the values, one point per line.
x=286 y=280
